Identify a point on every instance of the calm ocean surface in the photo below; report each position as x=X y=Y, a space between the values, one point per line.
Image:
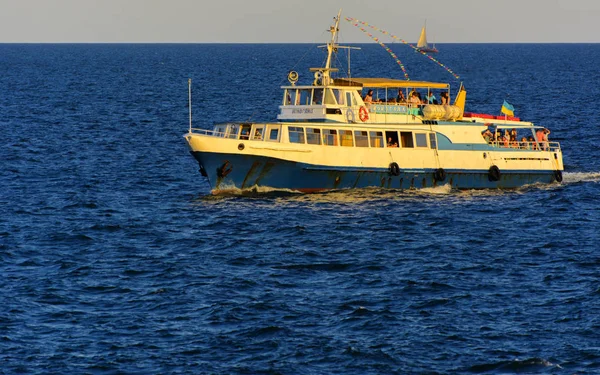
x=116 y=259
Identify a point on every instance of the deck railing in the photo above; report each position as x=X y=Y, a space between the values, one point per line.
x=538 y=146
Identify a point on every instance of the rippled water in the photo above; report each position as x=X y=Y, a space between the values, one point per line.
x=115 y=257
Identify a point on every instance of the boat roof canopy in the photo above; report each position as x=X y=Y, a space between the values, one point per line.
x=388 y=83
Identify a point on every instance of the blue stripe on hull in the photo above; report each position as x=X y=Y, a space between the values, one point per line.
x=228 y=171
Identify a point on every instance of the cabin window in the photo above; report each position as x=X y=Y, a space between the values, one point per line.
x=406 y=139
x=245 y=133
x=391 y=139
x=349 y=99
x=287 y=97
x=313 y=136
x=329 y=97
x=318 y=96
x=234 y=129
x=421 y=139
x=303 y=97
x=292 y=97
x=346 y=138
x=273 y=131
x=361 y=138
x=219 y=130
x=258 y=132
x=339 y=95
x=330 y=137
x=376 y=139
x=432 y=140
x=296 y=134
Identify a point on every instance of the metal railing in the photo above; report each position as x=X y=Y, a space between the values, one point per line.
x=535 y=146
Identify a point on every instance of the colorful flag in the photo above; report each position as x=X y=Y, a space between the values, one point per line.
x=507 y=109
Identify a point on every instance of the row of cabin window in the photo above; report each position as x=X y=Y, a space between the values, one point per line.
x=362 y=138
x=245 y=132
x=315 y=96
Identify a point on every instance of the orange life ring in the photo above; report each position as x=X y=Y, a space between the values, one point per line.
x=363 y=114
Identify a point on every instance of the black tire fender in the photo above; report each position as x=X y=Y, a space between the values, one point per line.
x=558 y=176
x=394 y=169
x=439 y=175
x=494 y=173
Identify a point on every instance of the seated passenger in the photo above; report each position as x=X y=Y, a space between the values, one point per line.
x=245 y=134
x=532 y=143
x=391 y=143
x=524 y=143
x=506 y=138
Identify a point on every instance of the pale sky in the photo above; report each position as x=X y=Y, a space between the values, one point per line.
x=301 y=21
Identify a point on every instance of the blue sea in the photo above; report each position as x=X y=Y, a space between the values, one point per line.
x=115 y=258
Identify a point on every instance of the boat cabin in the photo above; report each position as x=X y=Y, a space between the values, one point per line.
x=346 y=101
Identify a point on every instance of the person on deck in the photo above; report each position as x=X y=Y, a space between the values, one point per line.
x=542 y=138
x=369 y=97
x=487 y=135
x=431 y=99
x=444 y=98
x=414 y=98
x=400 y=98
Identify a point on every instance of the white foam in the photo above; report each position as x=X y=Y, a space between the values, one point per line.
x=574 y=177
x=440 y=190
x=232 y=190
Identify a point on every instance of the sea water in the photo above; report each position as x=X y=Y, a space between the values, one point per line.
x=115 y=257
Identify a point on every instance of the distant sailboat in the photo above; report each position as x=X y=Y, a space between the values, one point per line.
x=422 y=43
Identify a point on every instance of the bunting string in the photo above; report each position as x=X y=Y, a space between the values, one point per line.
x=378 y=41
x=358 y=24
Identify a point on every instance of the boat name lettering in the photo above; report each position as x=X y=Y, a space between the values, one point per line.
x=379 y=108
x=302 y=110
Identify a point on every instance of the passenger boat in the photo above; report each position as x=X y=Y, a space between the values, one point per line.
x=422 y=44
x=327 y=136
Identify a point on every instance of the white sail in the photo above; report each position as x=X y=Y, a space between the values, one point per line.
x=422 y=43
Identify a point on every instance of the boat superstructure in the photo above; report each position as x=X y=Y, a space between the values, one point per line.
x=337 y=133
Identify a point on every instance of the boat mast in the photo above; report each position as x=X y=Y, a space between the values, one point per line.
x=331 y=46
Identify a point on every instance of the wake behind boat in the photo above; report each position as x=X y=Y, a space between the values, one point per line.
x=339 y=133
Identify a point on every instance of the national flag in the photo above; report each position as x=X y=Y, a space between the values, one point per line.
x=507 y=109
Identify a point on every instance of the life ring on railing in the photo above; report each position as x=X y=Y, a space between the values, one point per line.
x=558 y=176
x=494 y=173
x=439 y=174
x=394 y=169
x=350 y=115
x=363 y=114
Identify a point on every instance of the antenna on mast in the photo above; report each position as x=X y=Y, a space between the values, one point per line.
x=332 y=47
